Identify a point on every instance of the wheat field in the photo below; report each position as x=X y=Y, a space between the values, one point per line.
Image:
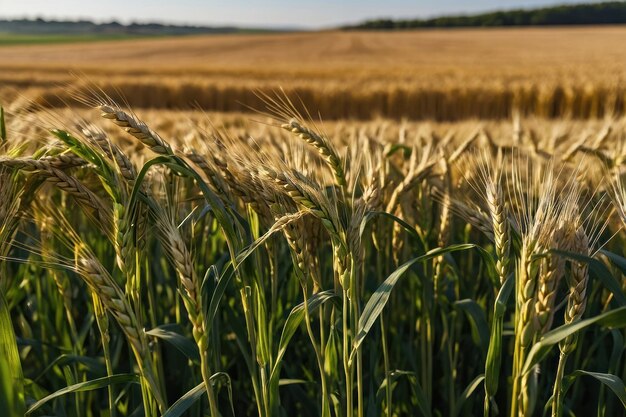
x=321 y=250
x=434 y=74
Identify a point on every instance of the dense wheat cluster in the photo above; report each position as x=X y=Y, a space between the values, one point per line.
x=166 y=266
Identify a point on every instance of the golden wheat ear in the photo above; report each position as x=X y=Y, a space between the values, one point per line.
x=122 y=116
x=285 y=113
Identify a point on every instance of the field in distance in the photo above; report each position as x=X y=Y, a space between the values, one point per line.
x=19 y=39
x=428 y=74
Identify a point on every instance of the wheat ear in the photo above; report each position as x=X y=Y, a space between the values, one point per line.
x=323 y=147
x=174 y=244
x=137 y=128
x=112 y=297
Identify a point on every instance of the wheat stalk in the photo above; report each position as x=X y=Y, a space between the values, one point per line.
x=112 y=297
x=173 y=242
x=576 y=303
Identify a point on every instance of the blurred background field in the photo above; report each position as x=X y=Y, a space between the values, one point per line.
x=433 y=74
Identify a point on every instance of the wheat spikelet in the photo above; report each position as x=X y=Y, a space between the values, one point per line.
x=474 y=216
x=322 y=145
x=527 y=272
x=375 y=172
x=419 y=168
x=173 y=242
x=373 y=195
x=135 y=127
x=296 y=236
x=577 y=297
x=308 y=197
x=64 y=182
x=97 y=137
x=527 y=324
x=230 y=176
x=353 y=233
x=303 y=193
x=124 y=241
x=537 y=211
x=60 y=161
x=123 y=235
x=64 y=161
x=237 y=177
x=211 y=173
x=551 y=271
x=501 y=228
x=112 y=297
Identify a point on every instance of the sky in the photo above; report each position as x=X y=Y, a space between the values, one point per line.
x=256 y=13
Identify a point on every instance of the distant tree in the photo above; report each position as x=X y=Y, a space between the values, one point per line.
x=579 y=14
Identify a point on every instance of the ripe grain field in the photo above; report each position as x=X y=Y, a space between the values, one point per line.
x=550 y=72
x=441 y=233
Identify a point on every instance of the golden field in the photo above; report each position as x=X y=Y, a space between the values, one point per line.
x=440 y=233
x=430 y=74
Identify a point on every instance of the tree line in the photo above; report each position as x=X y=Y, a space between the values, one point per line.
x=580 y=14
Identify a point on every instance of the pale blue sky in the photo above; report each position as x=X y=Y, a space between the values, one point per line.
x=302 y=13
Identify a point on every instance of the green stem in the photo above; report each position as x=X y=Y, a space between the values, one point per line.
x=451 y=361
x=354 y=316
x=153 y=320
x=514 y=392
x=206 y=376
x=109 y=367
x=429 y=361
x=346 y=355
x=518 y=362
x=319 y=356
x=153 y=399
x=254 y=372
x=266 y=394
x=557 y=392
x=423 y=348
x=383 y=333
x=359 y=379
x=103 y=325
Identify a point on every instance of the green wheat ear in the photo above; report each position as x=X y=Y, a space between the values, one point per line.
x=3 y=128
